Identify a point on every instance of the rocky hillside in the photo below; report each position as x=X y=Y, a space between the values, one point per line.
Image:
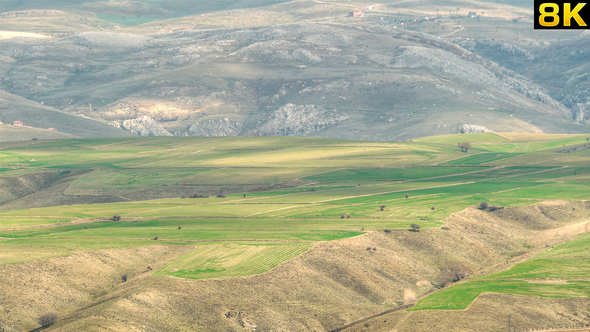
x=380 y=76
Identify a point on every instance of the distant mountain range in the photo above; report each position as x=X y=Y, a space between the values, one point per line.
x=294 y=68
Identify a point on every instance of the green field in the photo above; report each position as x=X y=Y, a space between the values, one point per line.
x=547 y=274
x=315 y=190
x=232 y=260
x=461 y=296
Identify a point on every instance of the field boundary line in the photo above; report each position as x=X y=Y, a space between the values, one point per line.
x=73 y=222
x=360 y=321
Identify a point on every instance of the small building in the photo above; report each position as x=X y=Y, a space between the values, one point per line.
x=356 y=13
x=51 y=129
x=17 y=123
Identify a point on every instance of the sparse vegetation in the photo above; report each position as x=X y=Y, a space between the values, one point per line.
x=48 y=319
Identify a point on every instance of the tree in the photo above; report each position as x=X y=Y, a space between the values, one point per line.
x=483 y=205
x=47 y=318
x=587 y=139
x=382 y=207
x=415 y=227
x=465 y=146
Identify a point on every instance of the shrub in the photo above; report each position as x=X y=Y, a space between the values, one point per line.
x=407 y=196
x=455 y=272
x=465 y=146
x=220 y=196
x=200 y=196
x=124 y=278
x=483 y=205
x=382 y=207
x=415 y=227
x=48 y=318
x=116 y=218
x=443 y=280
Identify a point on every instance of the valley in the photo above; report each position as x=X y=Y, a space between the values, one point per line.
x=302 y=165
x=296 y=233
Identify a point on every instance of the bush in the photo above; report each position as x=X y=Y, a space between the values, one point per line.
x=455 y=272
x=116 y=218
x=382 y=207
x=48 y=318
x=124 y=278
x=483 y=205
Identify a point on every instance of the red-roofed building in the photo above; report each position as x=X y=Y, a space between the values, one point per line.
x=356 y=13
x=17 y=123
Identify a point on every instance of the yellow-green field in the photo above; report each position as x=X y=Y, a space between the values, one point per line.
x=314 y=190
x=559 y=272
x=232 y=259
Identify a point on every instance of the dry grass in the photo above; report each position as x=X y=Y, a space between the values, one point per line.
x=489 y=313
x=337 y=283
x=67 y=283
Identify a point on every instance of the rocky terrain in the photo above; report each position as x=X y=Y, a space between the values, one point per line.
x=345 y=78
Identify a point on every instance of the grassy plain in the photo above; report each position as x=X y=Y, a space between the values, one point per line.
x=283 y=197
x=325 y=190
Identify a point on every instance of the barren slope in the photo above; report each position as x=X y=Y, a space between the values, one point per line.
x=334 y=284
x=332 y=80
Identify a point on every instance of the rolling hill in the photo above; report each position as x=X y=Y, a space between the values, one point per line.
x=296 y=68
x=228 y=234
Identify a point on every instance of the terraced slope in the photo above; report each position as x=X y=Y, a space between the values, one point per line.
x=315 y=234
